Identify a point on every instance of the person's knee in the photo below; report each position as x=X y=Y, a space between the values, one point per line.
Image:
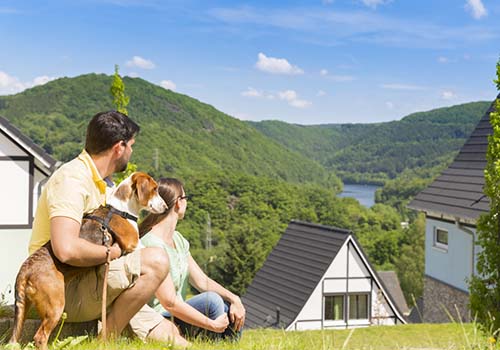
x=216 y=303
x=154 y=261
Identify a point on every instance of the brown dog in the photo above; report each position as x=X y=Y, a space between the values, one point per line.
x=41 y=278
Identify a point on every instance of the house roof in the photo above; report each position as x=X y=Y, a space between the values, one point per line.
x=458 y=191
x=26 y=143
x=291 y=272
x=391 y=283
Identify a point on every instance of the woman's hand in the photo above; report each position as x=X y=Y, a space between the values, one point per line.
x=237 y=314
x=220 y=324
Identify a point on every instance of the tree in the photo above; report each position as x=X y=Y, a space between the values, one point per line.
x=485 y=286
x=120 y=100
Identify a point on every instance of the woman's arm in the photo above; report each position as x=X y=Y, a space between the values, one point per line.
x=180 y=309
x=203 y=283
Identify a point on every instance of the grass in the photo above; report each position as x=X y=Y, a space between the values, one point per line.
x=416 y=336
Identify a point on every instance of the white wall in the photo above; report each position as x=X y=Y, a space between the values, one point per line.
x=347 y=263
x=14 y=203
x=8 y=148
x=13 y=251
x=454 y=265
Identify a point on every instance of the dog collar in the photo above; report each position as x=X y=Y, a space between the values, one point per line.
x=123 y=214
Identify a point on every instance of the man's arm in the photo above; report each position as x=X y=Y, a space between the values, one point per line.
x=69 y=248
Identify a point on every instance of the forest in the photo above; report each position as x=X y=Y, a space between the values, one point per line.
x=249 y=179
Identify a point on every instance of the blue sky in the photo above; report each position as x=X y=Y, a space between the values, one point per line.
x=306 y=62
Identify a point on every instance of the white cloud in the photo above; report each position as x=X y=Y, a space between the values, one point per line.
x=341 y=78
x=374 y=3
x=140 y=62
x=293 y=99
x=389 y=105
x=448 y=95
x=402 y=87
x=300 y=103
x=325 y=27
x=276 y=65
x=321 y=93
x=12 y=85
x=476 y=8
x=442 y=59
x=168 y=84
x=251 y=92
x=41 y=80
x=323 y=72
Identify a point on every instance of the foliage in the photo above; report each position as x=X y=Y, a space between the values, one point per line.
x=485 y=285
x=179 y=135
x=120 y=100
x=410 y=263
x=375 y=153
x=248 y=214
x=119 y=177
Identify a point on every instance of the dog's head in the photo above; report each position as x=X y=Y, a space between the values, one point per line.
x=140 y=191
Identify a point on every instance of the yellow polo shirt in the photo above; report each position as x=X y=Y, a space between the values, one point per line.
x=74 y=189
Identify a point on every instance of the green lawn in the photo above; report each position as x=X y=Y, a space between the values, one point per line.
x=416 y=336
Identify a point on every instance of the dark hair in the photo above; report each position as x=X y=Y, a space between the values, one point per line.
x=107 y=128
x=170 y=190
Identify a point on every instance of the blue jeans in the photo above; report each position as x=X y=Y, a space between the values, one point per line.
x=211 y=305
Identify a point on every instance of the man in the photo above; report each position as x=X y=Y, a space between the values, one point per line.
x=79 y=187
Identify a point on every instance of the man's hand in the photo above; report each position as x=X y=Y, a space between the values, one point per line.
x=220 y=324
x=115 y=251
x=237 y=314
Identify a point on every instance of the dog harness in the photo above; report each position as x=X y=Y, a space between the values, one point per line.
x=105 y=222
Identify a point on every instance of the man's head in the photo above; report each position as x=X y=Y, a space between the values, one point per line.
x=108 y=130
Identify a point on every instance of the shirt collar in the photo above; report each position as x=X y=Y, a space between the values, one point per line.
x=96 y=177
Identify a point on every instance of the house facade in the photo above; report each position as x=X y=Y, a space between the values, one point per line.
x=24 y=167
x=452 y=204
x=317 y=277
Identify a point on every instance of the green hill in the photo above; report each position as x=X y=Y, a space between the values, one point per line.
x=377 y=152
x=179 y=135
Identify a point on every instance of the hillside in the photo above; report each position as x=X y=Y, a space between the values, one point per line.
x=377 y=152
x=179 y=135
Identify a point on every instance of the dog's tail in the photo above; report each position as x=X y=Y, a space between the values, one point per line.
x=21 y=306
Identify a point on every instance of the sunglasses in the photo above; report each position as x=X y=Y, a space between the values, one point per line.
x=185 y=197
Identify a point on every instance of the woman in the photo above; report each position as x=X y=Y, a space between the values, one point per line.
x=215 y=306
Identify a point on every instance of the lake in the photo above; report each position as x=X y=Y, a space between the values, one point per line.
x=365 y=194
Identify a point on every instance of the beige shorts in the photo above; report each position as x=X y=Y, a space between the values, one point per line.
x=84 y=293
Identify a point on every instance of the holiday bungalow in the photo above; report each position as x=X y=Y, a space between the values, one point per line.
x=318 y=277
x=24 y=167
x=452 y=203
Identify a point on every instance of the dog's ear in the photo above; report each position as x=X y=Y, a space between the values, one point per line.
x=124 y=191
x=145 y=187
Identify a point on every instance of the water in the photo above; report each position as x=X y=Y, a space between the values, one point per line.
x=365 y=194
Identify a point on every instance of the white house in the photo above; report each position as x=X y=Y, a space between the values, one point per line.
x=452 y=204
x=24 y=167
x=318 y=277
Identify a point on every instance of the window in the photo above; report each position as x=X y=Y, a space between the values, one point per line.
x=334 y=307
x=441 y=238
x=358 y=306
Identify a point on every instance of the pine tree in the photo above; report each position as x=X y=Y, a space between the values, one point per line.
x=120 y=100
x=485 y=285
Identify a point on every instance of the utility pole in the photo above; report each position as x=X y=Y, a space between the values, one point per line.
x=208 y=243
x=156 y=159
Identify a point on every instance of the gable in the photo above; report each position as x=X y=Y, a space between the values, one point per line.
x=348 y=275
x=10 y=148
